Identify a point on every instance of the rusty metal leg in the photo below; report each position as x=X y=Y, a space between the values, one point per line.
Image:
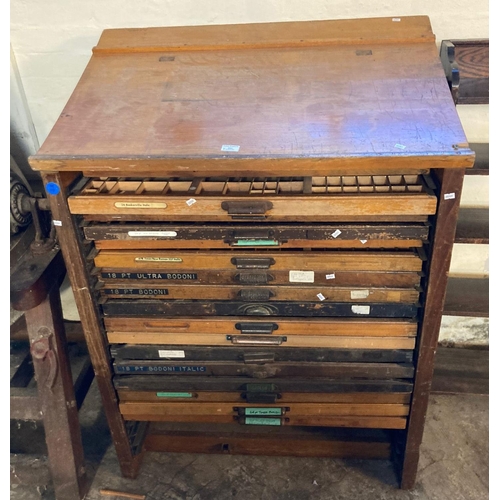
x=56 y=396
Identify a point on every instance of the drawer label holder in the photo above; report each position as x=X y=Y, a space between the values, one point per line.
x=259 y=421
x=175 y=395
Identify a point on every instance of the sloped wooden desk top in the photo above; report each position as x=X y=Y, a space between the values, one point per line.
x=276 y=99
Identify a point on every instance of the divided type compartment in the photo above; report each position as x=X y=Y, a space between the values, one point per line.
x=333 y=198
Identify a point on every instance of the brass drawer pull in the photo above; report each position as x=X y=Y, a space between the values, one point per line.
x=255 y=294
x=254 y=278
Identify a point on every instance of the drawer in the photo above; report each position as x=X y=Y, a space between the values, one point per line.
x=282 y=332
x=147 y=307
x=390 y=416
x=123 y=352
x=262 y=293
x=122 y=236
x=264 y=370
x=269 y=396
x=344 y=390
x=116 y=277
x=293 y=262
x=335 y=198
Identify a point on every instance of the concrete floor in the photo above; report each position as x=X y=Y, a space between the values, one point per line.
x=453 y=465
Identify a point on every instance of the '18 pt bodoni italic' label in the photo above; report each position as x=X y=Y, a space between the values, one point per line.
x=149 y=276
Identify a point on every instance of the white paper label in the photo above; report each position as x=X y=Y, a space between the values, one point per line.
x=399 y=146
x=301 y=276
x=449 y=196
x=330 y=276
x=321 y=296
x=190 y=202
x=336 y=233
x=360 y=309
x=359 y=294
x=363 y=241
x=171 y=354
x=230 y=147
x=154 y=234
x=396 y=19
x=57 y=223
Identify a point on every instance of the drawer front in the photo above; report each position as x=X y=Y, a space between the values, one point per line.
x=292 y=262
x=264 y=370
x=149 y=278
x=262 y=294
x=123 y=307
x=124 y=352
x=125 y=236
x=342 y=388
x=343 y=198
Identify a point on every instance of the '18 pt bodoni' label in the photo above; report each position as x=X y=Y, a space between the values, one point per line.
x=149 y=276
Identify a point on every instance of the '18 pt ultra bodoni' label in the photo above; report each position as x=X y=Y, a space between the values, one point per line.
x=149 y=276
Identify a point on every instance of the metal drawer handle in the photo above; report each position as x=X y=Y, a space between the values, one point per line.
x=254 y=340
x=253 y=207
x=255 y=294
x=254 y=278
x=256 y=328
x=246 y=263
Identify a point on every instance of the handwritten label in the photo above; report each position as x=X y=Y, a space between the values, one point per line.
x=153 y=234
x=158 y=259
x=301 y=276
x=190 y=202
x=359 y=294
x=360 y=309
x=336 y=233
x=330 y=276
x=57 y=223
x=321 y=296
x=230 y=147
x=399 y=146
x=396 y=19
x=136 y=204
x=171 y=354
x=449 y=196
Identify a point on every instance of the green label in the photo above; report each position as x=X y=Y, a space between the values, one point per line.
x=256 y=243
x=174 y=394
x=262 y=421
x=262 y=411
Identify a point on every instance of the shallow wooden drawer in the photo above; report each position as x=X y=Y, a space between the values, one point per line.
x=147 y=307
x=335 y=198
x=256 y=277
x=146 y=352
x=122 y=236
x=389 y=416
x=262 y=294
x=264 y=370
x=294 y=263
x=348 y=333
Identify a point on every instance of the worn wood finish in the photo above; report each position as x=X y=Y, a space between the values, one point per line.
x=123 y=307
x=467 y=297
x=56 y=398
x=284 y=326
x=466 y=65
x=302 y=341
x=364 y=422
x=271 y=441
x=92 y=325
x=180 y=129
x=189 y=261
x=268 y=293
x=179 y=383
x=151 y=277
x=443 y=238
x=473 y=226
x=281 y=398
x=265 y=370
x=295 y=409
x=168 y=236
x=190 y=353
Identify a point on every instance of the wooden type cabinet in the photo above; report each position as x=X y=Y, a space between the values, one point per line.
x=257 y=221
